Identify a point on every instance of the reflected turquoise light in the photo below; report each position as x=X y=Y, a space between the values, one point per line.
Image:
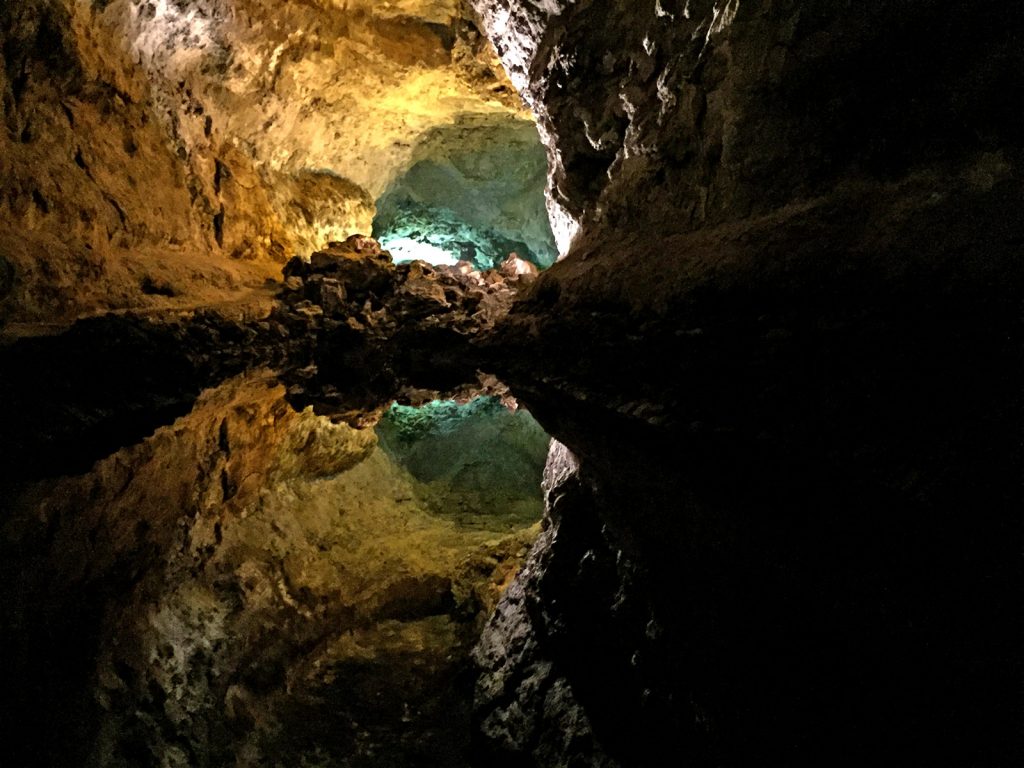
x=480 y=446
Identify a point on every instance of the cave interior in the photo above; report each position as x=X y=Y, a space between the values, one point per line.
x=449 y=383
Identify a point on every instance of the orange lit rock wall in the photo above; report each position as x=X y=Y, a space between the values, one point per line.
x=176 y=153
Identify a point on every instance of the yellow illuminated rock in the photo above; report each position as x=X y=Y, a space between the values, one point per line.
x=195 y=146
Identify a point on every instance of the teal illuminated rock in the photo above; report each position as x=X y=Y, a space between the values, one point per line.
x=476 y=193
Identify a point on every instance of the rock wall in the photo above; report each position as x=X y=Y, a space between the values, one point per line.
x=170 y=152
x=473 y=460
x=549 y=625
x=673 y=116
x=476 y=191
x=252 y=583
x=796 y=268
x=783 y=346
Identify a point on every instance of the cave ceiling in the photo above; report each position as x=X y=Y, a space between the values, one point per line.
x=171 y=152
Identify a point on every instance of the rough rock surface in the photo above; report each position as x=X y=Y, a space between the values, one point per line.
x=667 y=116
x=350 y=333
x=784 y=346
x=796 y=266
x=176 y=152
x=528 y=709
x=475 y=190
x=481 y=458
x=251 y=584
x=378 y=331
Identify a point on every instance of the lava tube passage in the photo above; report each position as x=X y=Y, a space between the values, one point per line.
x=475 y=192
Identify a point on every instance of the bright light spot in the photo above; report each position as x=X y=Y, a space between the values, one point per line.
x=405 y=249
x=172 y=34
x=563 y=226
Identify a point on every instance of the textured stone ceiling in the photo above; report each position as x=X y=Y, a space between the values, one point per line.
x=475 y=192
x=335 y=87
x=781 y=356
x=190 y=146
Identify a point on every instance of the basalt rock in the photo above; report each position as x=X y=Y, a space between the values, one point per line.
x=793 y=255
x=476 y=191
x=527 y=702
x=350 y=333
x=666 y=116
x=783 y=344
x=380 y=331
x=203 y=143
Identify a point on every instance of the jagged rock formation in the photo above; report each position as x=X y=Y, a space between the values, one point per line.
x=797 y=263
x=377 y=331
x=550 y=624
x=351 y=332
x=783 y=348
x=176 y=152
x=668 y=116
x=476 y=192
x=253 y=583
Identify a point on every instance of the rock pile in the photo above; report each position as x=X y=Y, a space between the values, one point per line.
x=378 y=331
x=352 y=332
x=356 y=283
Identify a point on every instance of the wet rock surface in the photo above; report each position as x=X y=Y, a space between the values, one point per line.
x=350 y=332
x=255 y=583
x=380 y=331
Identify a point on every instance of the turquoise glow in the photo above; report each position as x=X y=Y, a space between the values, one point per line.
x=477 y=460
x=404 y=249
x=476 y=194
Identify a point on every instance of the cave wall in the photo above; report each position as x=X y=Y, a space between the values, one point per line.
x=475 y=189
x=684 y=115
x=176 y=152
x=781 y=355
x=792 y=259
